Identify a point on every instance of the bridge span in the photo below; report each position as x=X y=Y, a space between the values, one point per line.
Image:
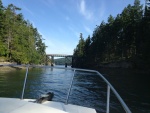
x=52 y=60
x=59 y=55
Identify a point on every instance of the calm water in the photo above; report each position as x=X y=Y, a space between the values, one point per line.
x=88 y=89
x=133 y=86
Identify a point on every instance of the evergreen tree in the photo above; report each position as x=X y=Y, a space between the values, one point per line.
x=79 y=51
x=147 y=10
x=19 y=40
x=125 y=37
x=2 y=45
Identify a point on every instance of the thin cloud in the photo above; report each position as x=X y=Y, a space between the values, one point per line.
x=90 y=11
x=48 y=2
x=51 y=45
x=88 y=29
x=28 y=10
x=74 y=31
x=48 y=42
x=102 y=9
x=88 y=14
x=101 y=13
x=54 y=48
x=82 y=7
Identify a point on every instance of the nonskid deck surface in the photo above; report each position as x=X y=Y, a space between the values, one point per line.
x=11 y=105
x=69 y=108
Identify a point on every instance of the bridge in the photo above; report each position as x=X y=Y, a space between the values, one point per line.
x=59 y=55
x=51 y=60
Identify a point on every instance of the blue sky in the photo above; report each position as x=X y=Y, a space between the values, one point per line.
x=60 y=22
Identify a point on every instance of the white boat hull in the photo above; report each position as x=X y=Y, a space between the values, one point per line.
x=12 y=105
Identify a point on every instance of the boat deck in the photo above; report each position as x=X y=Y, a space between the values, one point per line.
x=12 y=105
x=9 y=105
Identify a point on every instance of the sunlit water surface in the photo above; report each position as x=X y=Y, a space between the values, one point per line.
x=88 y=89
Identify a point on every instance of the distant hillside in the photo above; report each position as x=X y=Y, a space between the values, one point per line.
x=61 y=61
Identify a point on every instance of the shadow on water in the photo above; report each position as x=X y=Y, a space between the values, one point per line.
x=133 y=86
x=89 y=90
x=11 y=83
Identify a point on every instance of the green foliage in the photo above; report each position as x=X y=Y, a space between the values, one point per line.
x=19 y=40
x=123 y=37
x=79 y=51
x=62 y=61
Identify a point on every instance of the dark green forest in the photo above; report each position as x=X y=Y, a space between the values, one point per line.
x=62 y=61
x=19 y=41
x=125 y=37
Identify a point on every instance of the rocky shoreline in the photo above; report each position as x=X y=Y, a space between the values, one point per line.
x=7 y=66
x=122 y=64
x=10 y=68
x=126 y=64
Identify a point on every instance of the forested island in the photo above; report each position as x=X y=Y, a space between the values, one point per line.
x=124 y=38
x=62 y=61
x=20 y=42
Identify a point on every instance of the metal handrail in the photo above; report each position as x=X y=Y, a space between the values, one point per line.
x=70 y=87
x=112 y=88
x=108 y=98
x=24 y=85
x=116 y=94
x=109 y=86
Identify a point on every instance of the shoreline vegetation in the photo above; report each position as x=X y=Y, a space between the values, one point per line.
x=11 y=66
x=4 y=67
x=20 y=41
x=121 y=42
x=113 y=66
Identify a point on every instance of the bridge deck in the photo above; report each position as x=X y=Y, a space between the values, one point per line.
x=59 y=55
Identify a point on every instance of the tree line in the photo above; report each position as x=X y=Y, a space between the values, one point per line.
x=19 y=41
x=124 y=37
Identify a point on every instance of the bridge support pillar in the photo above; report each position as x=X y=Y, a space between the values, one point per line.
x=72 y=62
x=52 y=60
x=46 y=61
x=65 y=61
